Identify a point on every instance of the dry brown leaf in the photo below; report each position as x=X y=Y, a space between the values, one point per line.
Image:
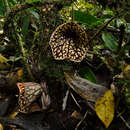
x=76 y=115
x=86 y=89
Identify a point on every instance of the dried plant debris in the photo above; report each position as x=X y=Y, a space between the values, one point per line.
x=100 y=95
x=69 y=41
x=86 y=89
x=7 y=104
x=26 y=122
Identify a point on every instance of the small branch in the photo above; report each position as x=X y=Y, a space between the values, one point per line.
x=65 y=100
x=75 y=100
x=81 y=121
x=126 y=123
x=72 y=13
x=112 y=29
x=102 y=28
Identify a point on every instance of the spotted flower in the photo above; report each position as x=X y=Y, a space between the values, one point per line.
x=69 y=41
x=29 y=92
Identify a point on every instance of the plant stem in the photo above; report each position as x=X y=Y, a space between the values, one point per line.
x=7 y=6
x=21 y=43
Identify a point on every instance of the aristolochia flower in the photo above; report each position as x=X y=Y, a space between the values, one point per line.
x=69 y=41
x=29 y=92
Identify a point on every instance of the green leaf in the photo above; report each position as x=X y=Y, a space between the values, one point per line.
x=35 y=14
x=88 y=74
x=128 y=29
x=31 y=1
x=106 y=16
x=13 y=59
x=126 y=47
x=110 y=41
x=85 y=18
x=2 y=8
x=2 y=48
x=26 y=21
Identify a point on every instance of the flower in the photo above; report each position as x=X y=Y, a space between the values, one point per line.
x=28 y=94
x=69 y=41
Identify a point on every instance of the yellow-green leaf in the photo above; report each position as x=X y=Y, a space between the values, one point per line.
x=3 y=63
x=13 y=115
x=104 y=108
x=126 y=72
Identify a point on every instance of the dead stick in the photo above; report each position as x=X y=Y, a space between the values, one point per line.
x=75 y=100
x=127 y=125
x=81 y=121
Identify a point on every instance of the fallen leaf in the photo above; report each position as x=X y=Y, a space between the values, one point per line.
x=104 y=108
x=1 y=127
x=86 y=89
x=76 y=115
x=13 y=115
x=19 y=74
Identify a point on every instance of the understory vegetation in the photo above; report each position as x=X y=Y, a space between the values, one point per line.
x=64 y=64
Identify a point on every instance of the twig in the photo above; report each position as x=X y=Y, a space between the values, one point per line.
x=126 y=123
x=75 y=100
x=113 y=29
x=76 y=5
x=102 y=28
x=81 y=120
x=65 y=100
x=72 y=12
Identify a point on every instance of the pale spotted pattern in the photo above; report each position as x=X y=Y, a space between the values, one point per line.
x=69 y=41
x=28 y=94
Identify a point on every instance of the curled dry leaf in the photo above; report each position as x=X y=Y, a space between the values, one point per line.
x=9 y=79
x=76 y=115
x=86 y=89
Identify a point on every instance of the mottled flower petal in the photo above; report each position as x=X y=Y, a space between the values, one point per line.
x=28 y=93
x=69 y=41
